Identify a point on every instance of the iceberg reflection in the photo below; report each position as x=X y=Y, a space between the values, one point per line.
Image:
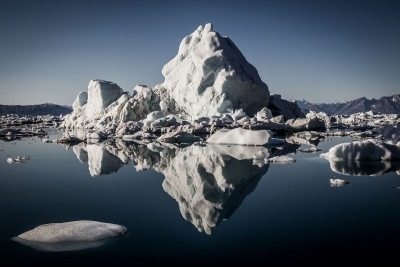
x=208 y=182
x=364 y=168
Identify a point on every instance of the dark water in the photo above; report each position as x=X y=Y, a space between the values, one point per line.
x=248 y=214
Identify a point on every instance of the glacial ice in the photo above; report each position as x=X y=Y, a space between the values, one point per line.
x=239 y=136
x=282 y=160
x=80 y=100
x=101 y=94
x=338 y=182
x=210 y=76
x=369 y=150
x=70 y=236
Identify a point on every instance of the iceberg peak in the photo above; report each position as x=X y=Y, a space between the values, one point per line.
x=210 y=76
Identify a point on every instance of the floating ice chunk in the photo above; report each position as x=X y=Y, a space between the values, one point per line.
x=178 y=137
x=309 y=150
x=239 y=136
x=364 y=150
x=70 y=139
x=17 y=160
x=80 y=100
x=282 y=160
x=68 y=236
x=338 y=182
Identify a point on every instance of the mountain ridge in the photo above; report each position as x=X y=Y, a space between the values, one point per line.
x=386 y=104
x=35 y=110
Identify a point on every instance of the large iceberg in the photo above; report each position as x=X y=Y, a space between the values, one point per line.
x=209 y=85
x=210 y=75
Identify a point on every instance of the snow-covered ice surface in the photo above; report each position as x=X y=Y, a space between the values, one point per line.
x=70 y=236
x=282 y=160
x=240 y=136
x=338 y=182
x=210 y=75
x=372 y=150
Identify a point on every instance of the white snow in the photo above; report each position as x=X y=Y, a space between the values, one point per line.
x=210 y=75
x=239 y=136
x=364 y=150
x=75 y=231
x=338 y=182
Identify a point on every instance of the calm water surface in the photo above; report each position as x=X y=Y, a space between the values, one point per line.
x=195 y=205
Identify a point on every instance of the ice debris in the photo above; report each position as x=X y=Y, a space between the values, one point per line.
x=17 y=160
x=338 y=182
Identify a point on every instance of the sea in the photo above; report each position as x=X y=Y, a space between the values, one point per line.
x=198 y=204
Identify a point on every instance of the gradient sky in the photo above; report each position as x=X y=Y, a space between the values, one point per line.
x=322 y=51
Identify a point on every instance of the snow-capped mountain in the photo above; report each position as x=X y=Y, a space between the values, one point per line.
x=34 y=110
x=386 y=104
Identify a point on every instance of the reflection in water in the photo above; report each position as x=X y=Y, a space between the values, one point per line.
x=209 y=186
x=364 y=168
x=208 y=182
x=61 y=246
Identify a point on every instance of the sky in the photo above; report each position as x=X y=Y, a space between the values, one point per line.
x=321 y=51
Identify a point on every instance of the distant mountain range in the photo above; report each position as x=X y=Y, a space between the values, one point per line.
x=386 y=104
x=34 y=110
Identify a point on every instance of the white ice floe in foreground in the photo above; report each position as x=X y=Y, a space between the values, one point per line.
x=70 y=236
x=338 y=182
x=239 y=136
x=369 y=150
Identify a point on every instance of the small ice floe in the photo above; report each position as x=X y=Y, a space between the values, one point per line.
x=70 y=236
x=281 y=160
x=70 y=139
x=239 y=136
x=338 y=182
x=17 y=160
x=178 y=137
x=309 y=150
x=369 y=150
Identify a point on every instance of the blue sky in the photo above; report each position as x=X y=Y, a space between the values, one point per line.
x=323 y=51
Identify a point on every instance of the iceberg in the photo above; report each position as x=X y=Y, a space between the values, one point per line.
x=210 y=76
